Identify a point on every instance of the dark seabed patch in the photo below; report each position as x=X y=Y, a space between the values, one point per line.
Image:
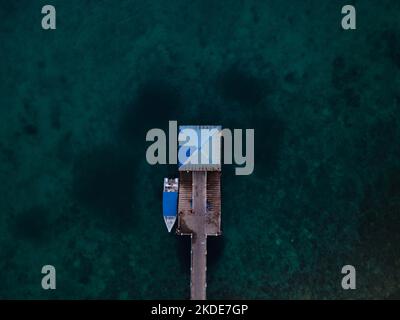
x=379 y=237
x=344 y=73
x=235 y=85
x=32 y=225
x=392 y=40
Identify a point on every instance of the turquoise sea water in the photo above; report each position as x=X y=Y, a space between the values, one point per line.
x=76 y=191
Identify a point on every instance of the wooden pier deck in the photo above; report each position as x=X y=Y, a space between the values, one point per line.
x=199 y=215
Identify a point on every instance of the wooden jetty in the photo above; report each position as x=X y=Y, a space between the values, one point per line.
x=199 y=215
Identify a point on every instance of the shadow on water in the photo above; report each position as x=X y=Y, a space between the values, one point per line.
x=183 y=251
x=104 y=183
x=156 y=102
x=215 y=248
x=237 y=86
x=104 y=177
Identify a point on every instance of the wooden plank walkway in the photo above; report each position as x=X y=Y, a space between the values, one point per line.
x=199 y=237
x=199 y=215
